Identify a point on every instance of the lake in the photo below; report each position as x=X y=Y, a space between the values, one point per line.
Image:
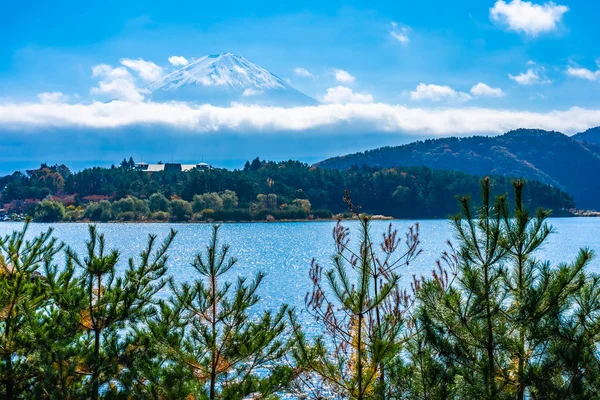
x=284 y=250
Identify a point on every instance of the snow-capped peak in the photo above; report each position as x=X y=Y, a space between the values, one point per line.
x=227 y=71
x=223 y=79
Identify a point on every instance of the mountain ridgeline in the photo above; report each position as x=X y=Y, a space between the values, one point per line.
x=591 y=136
x=567 y=163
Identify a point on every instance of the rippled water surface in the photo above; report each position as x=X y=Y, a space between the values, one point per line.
x=284 y=250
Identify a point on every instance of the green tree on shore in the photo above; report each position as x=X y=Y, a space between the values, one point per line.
x=49 y=211
x=181 y=210
x=158 y=202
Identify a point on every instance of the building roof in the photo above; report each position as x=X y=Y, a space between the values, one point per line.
x=170 y=167
x=187 y=167
x=155 y=168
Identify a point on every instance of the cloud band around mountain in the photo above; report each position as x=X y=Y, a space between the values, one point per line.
x=357 y=118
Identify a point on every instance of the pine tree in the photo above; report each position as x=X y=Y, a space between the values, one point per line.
x=497 y=323
x=57 y=344
x=536 y=298
x=22 y=300
x=362 y=310
x=426 y=371
x=573 y=371
x=106 y=307
x=466 y=318
x=208 y=328
x=256 y=164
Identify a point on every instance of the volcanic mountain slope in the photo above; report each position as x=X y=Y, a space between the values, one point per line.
x=548 y=157
x=220 y=79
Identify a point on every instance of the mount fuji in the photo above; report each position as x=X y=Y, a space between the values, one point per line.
x=222 y=79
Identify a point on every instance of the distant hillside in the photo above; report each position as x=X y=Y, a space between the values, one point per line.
x=592 y=135
x=548 y=157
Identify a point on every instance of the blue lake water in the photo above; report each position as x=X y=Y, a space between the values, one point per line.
x=284 y=250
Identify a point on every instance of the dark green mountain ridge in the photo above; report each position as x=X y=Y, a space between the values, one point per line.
x=592 y=136
x=567 y=163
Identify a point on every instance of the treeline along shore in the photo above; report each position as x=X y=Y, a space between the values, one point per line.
x=492 y=321
x=261 y=191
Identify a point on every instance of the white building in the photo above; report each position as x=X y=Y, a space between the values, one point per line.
x=170 y=167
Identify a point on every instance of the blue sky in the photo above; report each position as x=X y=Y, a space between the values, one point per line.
x=52 y=46
x=532 y=63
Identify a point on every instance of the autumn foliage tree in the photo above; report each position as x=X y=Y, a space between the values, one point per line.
x=361 y=307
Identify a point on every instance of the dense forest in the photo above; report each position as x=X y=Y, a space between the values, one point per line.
x=549 y=157
x=591 y=135
x=493 y=321
x=261 y=190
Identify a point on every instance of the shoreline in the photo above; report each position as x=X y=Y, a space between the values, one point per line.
x=378 y=218
x=320 y=220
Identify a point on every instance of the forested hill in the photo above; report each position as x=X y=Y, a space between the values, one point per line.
x=590 y=136
x=549 y=157
x=261 y=189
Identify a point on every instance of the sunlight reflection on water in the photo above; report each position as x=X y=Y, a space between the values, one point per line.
x=284 y=250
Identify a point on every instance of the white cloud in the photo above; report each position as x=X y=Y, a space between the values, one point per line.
x=251 y=92
x=526 y=17
x=531 y=77
x=481 y=89
x=302 y=72
x=116 y=83
x=584 y=73
x=400 y=33
x=178 y=61
x=358 y=118
x=106 y=71
x=345 y=95
x=119 y=89
x=147 y=70
x=343 y=76
x=437 y=93
x=52 y=97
